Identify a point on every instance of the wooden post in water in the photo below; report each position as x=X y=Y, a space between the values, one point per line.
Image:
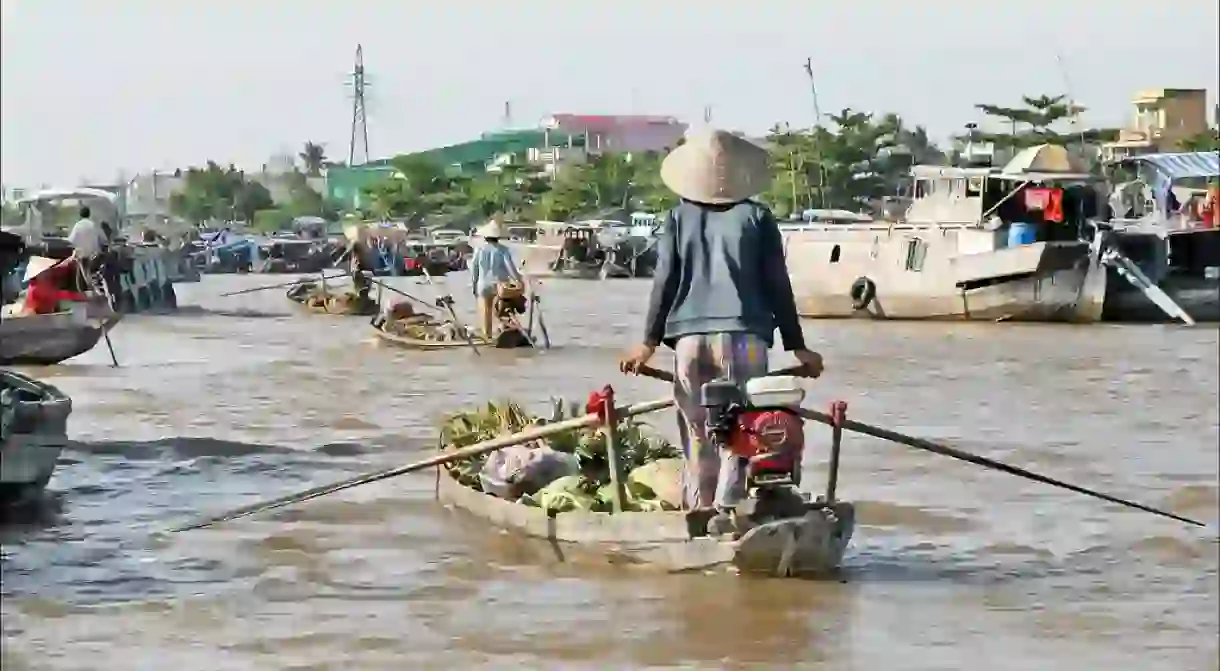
x=838 y=413
x=609 y=421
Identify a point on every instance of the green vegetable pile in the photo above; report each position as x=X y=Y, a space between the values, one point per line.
x=646 y=458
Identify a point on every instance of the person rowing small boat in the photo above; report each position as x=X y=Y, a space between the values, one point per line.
x=720 y=291
x=491 y=270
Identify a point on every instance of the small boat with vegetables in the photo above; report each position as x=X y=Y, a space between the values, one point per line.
x=317 y=298
x=401 y=326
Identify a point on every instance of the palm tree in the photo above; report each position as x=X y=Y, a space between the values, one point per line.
x=314 y=157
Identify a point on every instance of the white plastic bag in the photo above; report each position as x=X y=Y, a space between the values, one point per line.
x=515 y=471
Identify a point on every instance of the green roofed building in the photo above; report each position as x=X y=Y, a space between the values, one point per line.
x=345 y=183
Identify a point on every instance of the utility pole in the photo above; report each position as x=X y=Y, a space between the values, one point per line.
x=360 y=128
x=817 y=123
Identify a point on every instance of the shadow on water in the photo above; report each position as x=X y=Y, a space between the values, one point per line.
x=96 y=528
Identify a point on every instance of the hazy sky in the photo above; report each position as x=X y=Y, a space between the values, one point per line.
x=92 y=87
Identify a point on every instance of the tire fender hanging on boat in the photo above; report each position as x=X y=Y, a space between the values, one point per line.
x=863 y=292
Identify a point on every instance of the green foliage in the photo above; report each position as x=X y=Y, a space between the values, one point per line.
x=272 y=220
x=313 y=157
x=849 y=165
x=1206 y=141
x=216 y=193
x=636 y=444
x=1036 y=123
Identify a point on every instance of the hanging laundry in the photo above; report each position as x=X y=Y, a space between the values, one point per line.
x=1048 y=201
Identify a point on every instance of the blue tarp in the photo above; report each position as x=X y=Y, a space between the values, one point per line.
x=1169 y=168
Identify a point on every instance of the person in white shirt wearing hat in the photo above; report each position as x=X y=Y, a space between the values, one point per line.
x=720 y=291
x=491 y=265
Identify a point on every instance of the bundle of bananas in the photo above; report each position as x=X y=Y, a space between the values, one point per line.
x=637 y=446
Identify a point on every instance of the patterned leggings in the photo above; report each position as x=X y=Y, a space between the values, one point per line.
x=711 y=479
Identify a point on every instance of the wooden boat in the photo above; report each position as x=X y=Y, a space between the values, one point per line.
x=33 y=433
x=43 y=340
x=505 y=339
x=301 y=294
x=664 y=539
x=786 y=532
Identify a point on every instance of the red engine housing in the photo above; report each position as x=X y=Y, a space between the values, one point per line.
x=772 y=440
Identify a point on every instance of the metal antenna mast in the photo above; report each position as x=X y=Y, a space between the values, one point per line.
x=360 y=128
x=817 y=122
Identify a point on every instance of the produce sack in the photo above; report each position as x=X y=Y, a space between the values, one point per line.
x=519 y=470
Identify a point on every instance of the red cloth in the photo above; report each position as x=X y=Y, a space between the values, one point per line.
x=597 y=402
x=1050 y=201
x=44 y=294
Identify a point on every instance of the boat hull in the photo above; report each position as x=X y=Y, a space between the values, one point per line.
x=931 y=273
x=33 y=434
x=43 y=340
x=404 y=342
x=663 y=539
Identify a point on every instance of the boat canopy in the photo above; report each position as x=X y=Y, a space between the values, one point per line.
x=1169 y=168
x=76 y=193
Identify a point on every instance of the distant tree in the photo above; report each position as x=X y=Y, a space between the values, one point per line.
x=1036 y=123
x=1208 y=140
x=223 y=194
x=313 y=157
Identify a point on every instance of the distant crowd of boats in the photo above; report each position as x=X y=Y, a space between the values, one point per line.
x=595 y=248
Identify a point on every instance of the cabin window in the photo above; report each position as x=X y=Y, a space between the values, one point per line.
x=834 y=254
x=974 y=187
x=916 y=250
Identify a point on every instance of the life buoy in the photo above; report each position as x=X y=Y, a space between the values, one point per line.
x=863 y=292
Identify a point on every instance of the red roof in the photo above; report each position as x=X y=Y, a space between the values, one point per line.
x=607 y=122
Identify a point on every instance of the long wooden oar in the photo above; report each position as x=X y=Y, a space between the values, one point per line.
x=114 y=360
x=475 y=450
x=936 y=448
x=383 y=285
x=546 y=337
x=447 y=301
x=281 y=285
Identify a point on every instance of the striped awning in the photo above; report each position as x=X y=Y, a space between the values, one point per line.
x=1178 y=166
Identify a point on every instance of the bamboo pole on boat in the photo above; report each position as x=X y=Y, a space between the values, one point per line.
x=478 y=449
x=400 y=292
x=105 y=325
x=609 y=423
x=281 y=285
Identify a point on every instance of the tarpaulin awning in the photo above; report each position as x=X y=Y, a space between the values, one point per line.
x=1169 y=168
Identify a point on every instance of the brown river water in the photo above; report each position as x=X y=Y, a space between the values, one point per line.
x=952 y=566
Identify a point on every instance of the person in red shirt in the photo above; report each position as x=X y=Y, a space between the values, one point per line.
x=46 y=277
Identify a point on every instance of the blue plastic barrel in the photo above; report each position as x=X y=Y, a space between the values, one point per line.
x=1021 y=233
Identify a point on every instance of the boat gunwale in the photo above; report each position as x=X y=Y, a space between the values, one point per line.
x=405 y=342
x=577 y=526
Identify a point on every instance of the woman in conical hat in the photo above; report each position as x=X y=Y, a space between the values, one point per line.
x=491 y=265
x=45 y=277
x=720 y=290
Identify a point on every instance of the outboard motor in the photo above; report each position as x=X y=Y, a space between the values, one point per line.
x=758 y=426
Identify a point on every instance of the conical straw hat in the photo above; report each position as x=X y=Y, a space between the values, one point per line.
x=38 y=265
x=492 y=229
x=716 y=167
